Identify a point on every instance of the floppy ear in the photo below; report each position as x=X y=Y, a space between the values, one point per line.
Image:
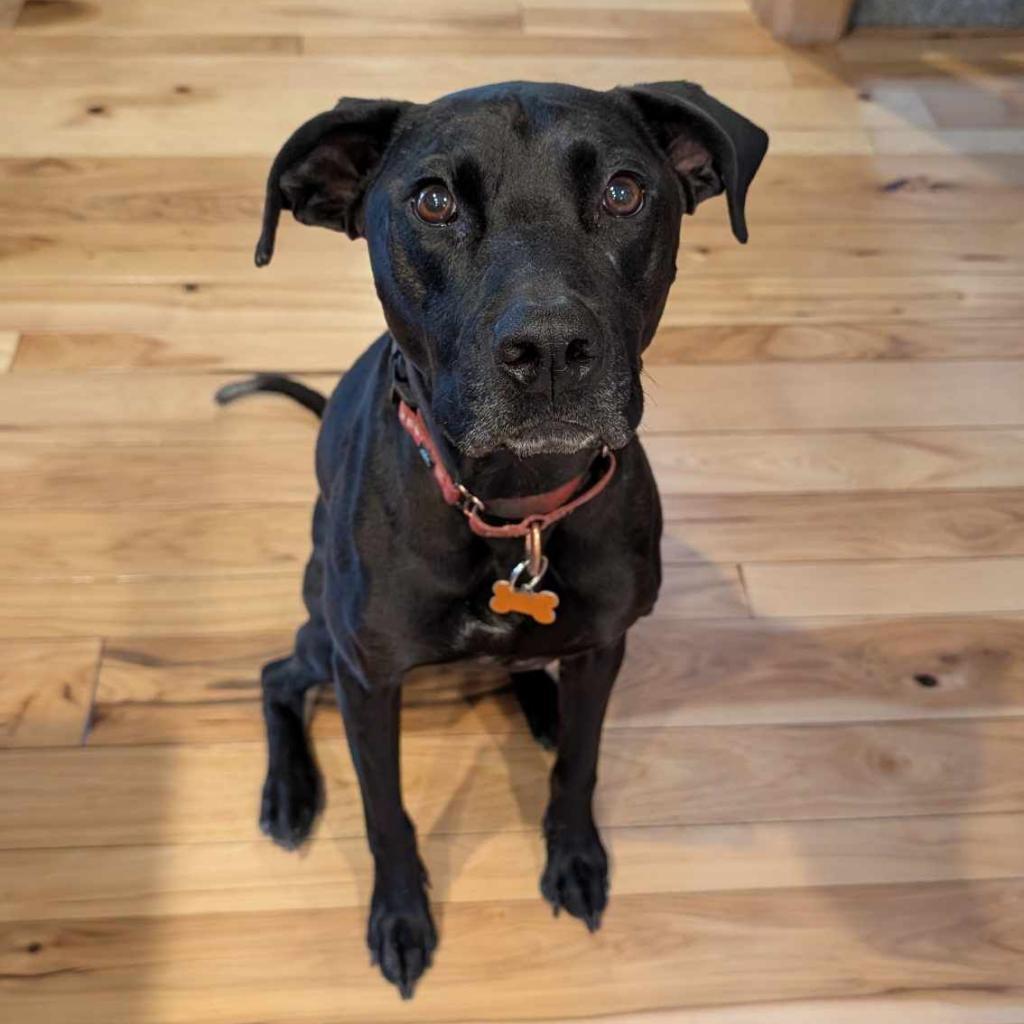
x=712 y=148
x=322 y=170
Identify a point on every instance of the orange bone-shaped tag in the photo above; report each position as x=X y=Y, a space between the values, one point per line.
x=539 y=606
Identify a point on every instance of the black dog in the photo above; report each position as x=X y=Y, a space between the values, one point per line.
x=523 y=240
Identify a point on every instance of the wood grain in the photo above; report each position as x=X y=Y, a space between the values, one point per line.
x=222 y=253
x=46 y=690
x=261 y=16
x=798 y=527
x=473 y=782
x=855 y=460
x=814 y=814
x=292 y=351
x=199 y=689
x=821 y=397
x=193 y=539
x=962 y=940
x=692 y=398
x=243 y=877
x=333 y=351
x=272 y=305
x=880 y=588
x=80 y=467
x=52 y=399
x=189 y=194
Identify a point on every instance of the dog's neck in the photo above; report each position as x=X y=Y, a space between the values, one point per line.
x=500 y=474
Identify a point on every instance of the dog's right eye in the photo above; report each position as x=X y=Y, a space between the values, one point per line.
x=435 y=205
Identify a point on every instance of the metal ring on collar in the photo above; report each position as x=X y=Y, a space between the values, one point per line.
x=518 y=571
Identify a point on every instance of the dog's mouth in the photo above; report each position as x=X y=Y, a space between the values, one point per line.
x=553 y=436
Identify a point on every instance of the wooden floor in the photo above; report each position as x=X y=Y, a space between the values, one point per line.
x=813 y=777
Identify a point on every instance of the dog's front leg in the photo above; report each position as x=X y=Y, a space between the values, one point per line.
x=401 y=933
x=576 y=875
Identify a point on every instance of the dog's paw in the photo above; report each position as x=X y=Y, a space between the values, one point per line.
x=292 y=797
x=537 y=693
x=402 y=939
x=576 y=877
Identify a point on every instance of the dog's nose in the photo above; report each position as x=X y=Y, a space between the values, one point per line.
x=547 y=350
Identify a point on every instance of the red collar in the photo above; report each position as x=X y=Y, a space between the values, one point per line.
x=531 y=510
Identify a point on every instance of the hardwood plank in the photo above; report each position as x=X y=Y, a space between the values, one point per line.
x=152 y=605
x=697 y=33
x=747 y=397
x=66 y=476
x=191 y=540
x=844 y=944
x=819 y=670
x=807 y=527
x=206 y=253
x=980 y=141
x=114 y=17
x=332 y=351
x=1007 y=48
x=952 y=106
x=760 y=343
x=241 y=877
x=178 y=465
x=292 y=351
x=646 y=5
x=50 y=46
x=46 y=689
x=47 y=193
x=476 y=782
x=819 y=397
x=205 y=689
x=268 y=304
x=189 y=689
x=178 y=541
x=33 y=400
x=845 y=461
x=400 y=67
x=68 y=123
x=939 y=586
x=469 y=44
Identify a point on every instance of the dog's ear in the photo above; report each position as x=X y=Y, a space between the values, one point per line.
x=712 y=148
x=322 y=171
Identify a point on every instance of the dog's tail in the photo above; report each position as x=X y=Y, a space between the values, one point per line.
x=312 y=400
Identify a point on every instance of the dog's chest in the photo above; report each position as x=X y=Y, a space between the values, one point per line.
x=582 y=621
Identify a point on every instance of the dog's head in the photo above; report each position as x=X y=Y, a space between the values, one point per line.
x=523 y=240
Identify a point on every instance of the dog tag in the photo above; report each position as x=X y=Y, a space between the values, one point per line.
x=539 y=605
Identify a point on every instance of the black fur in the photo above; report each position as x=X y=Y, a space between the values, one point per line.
x=522 y=324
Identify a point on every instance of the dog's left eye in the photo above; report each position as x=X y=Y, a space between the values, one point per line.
x=623 y=196
x=435 y=205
